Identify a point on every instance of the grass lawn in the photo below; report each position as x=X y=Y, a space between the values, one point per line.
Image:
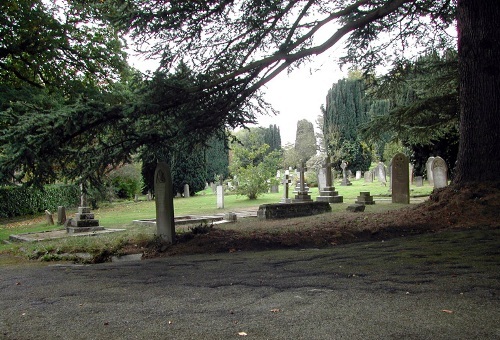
x=121 y=215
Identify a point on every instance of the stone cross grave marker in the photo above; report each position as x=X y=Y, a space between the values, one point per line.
x=345 y=179
x=400 y=179
x=302 y=195
x=286 y=182
x=439 y=173
x=165 y=225
x=328 y=193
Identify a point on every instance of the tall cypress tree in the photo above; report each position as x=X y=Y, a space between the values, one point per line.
x=346 y=109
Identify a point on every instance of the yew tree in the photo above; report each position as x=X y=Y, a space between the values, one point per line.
x=247 y=43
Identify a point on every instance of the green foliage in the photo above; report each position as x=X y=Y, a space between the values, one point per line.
x=253 y=168
x=346 y=109
x=272 y=137
x=19 y=201
x=305 y=140
x=217 y=157
x=126 y=180
x=54 y=44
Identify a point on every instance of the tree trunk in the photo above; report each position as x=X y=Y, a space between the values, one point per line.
x=479 y=67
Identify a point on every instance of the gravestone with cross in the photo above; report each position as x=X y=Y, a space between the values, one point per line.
x=345 y=178
x=286 y=182
x=328 y=193
x=84 y=220
x=302 y=195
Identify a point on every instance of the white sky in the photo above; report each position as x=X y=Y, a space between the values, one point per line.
x=297 y=95
x=300 y=94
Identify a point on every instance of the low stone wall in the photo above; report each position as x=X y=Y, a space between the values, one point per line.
x=289 y=210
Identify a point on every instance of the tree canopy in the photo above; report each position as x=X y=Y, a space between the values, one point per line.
x=229 y=49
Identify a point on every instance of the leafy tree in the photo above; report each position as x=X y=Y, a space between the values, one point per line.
x=252 y=175
x=290 y=156
x=234 y=48
x=57 y=44
x=305 y=140
x=217 y=157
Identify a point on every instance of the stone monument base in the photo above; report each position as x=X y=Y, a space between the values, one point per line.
x=279 y=210
x=328 y=194
x=365 y=198
x=74 y=230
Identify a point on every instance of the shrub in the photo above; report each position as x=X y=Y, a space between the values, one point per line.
x=19 y=201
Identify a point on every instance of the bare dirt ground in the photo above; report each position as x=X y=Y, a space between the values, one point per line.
x=451 y=208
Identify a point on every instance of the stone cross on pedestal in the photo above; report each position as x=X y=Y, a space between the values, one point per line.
x=302 y=170
x=286 y=182
x=328 y=166
x=84 y=220
x=302 y=195
x=328 y=193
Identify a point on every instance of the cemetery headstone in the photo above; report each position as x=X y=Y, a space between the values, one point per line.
x=61 y=215
x=220 y=197
x=439 y=173
x=428 y=169
x=302 y=194
x=411 y=169
x=400 y=179
x=186 y=190
x=381 y=173
x=49 y=218
x=358 y=174
x=419 y=181
x=345 y=179
x=165 y=225
x=368 y=177
x=321 y=178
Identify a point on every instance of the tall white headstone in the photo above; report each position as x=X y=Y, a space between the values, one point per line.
x=220 y=197
x=165 y=226
x=439 y=172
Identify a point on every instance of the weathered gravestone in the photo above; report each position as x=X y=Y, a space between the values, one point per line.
x=428 y=169
x=439 y=173
x=322 y=178
x=381 y=173
x=368 y=177
x=61 y=215
x=358 y=174
x=165 y=226
x=345 y=179
x=419 y=181
x=400 y=179
x=186 y=190
x=220 y=197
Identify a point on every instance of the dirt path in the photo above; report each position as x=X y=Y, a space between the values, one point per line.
x=439 y=286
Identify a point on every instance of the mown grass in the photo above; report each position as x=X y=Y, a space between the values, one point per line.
x=121 y=214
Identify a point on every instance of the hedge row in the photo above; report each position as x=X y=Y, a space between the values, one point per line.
x=20 y=201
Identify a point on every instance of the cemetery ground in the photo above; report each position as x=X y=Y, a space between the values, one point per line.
x=430 y=270
x=384 y=220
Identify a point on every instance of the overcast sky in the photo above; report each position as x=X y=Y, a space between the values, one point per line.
x=296 y=96
x=300 y=94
